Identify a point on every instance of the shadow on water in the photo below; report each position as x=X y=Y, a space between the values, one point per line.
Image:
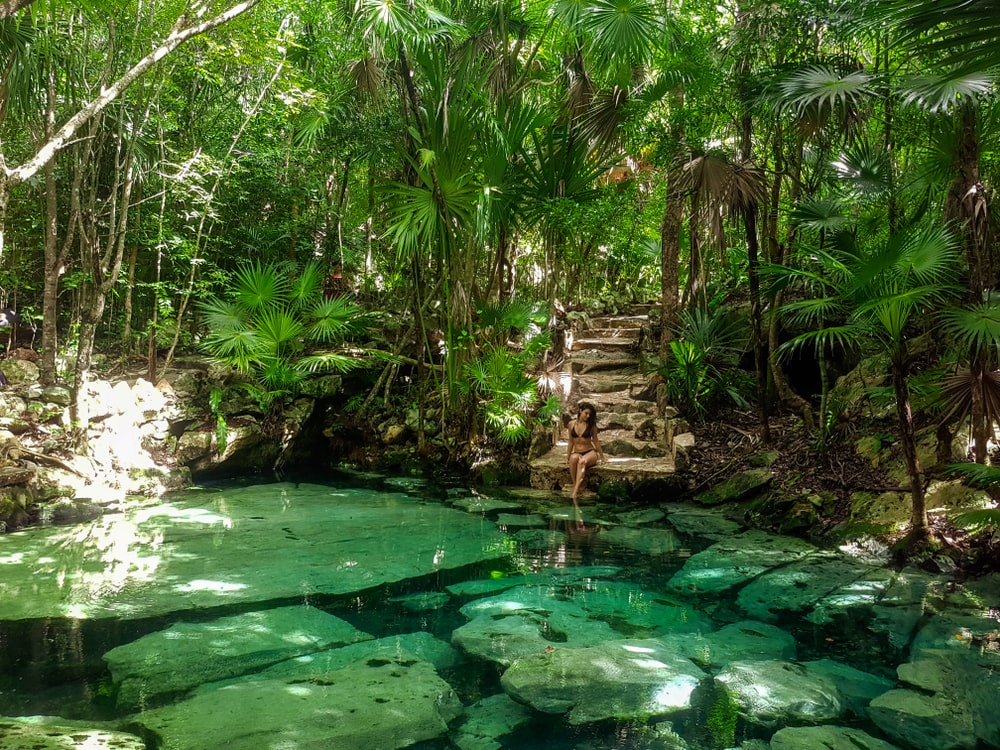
x=55 y=666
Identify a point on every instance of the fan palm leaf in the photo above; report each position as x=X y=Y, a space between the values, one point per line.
x=823 y=87
x=944 y=92
x=964 y=32
x=260 y=285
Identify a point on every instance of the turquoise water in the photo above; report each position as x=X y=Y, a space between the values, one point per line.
x=389 y=558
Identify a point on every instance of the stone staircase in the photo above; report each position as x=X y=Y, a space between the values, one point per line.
x=644 y=447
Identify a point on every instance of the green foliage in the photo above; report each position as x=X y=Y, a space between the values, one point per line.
x=722 y=719
x=702 y=370
x=221 y=427
x=978 y=475
x=505 y=393
x=272 y=325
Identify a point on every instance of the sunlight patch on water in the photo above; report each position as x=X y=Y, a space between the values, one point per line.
x=215 y=586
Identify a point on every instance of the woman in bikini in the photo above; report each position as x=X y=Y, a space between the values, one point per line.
x=584 y=447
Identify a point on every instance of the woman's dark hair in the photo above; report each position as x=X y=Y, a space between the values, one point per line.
x=592 y=422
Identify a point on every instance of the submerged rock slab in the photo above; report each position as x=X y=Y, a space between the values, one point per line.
x=953 y=705
x=52 y=733
x=380 y=703
x=746 y=641
x=489 y=719
x=193 y=653
x=778 y=693
x=528 y=619
x=239 y=545
x=735 y=561
x=799 y=585
x=628 y=679
x=826 y=738
x=646 y=541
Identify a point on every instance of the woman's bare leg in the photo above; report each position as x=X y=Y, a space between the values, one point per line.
x=585 y=461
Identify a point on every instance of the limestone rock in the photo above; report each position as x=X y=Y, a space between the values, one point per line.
x=382 y=702
x=45 y=733
x=627 y=679
x=191 y=654
x=799 y=585
x=856 y=688
x=741 y=640
x=488 y=720
x=704 y=522
x=826 y=738
x=778 y=693
x=735 y=560
x=737 y=487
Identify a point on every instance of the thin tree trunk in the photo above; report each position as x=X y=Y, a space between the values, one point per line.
x=919 y=527
x=670 y=251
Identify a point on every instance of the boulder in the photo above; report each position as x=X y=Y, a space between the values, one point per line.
x=488 y=720
x=799 y=585
x=735 y=560
x=745 y=640
x=190 y=654
x=383 y=702
x=56 y=733
x=780 y=693
x=627 y=679
x=737 y=487
x=826 y=738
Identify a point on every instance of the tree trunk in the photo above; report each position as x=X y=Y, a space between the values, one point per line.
x=670 y=252
x=919 y=528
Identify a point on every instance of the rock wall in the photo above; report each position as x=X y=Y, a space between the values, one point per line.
x=140 y=439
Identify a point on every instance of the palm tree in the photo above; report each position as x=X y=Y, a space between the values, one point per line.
x=875 y=288
x=276 y=327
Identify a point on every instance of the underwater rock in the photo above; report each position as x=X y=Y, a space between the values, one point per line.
x=744 y=640
x=799 y=585
x=704 y=522
x=237 y=546
x=826 y=738
x=380 y=702
x=954 y=703
x=779 y=693
x=627 y=679
x=189 y=654
x=646 y=541
x=55 y=733
x=517 y=521
x=527 y=619
x=424 y=601
x=487 y=720
x=316 y=667
x=735 y=560
x=856 y=688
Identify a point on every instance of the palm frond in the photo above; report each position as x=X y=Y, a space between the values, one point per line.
x=943 y=92
x=259 y=285
x=976 y=327
x=821 y=213
x=824 y=87
x=867 y=168
x=329 y=361
x=626 y=29
x=333 y=320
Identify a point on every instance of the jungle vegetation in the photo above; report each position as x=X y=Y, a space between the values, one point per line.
x=185 y=174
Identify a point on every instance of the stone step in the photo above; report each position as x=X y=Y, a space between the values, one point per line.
x=603 y=345
x=551 y=472
x=591 y=361
x=607 y=381
x=617 y=322
x=618 y=402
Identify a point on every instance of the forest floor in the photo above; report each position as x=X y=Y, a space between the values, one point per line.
x=730 y=443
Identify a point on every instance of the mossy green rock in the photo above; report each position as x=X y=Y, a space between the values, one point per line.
x=737 y=487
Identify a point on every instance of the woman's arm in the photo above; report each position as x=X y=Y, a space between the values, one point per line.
x=598 y=448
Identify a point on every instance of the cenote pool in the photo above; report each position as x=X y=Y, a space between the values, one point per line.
x=374 y=613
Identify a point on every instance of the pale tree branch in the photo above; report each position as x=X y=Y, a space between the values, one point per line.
x=10 y=7
x=16 y=176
